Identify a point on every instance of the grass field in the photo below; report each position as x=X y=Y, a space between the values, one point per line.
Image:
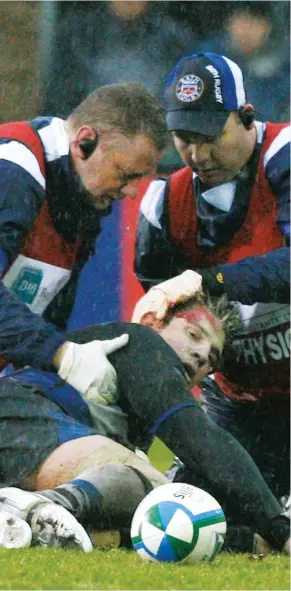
x=118 y=569
x=112 y=568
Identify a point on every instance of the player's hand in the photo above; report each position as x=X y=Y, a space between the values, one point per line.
x=165 y=295
x=262 y=548
x=88 y=370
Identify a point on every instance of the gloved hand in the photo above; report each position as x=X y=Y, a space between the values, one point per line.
x=165 y=295
x=87 y=368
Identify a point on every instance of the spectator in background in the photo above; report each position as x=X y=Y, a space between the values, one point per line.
x=100 y=43
x=206 y=16
x=256 y=36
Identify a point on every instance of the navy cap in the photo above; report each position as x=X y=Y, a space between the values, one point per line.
x=201 y=91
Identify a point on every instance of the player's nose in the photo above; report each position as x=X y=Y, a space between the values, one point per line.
x=200 y=153
x=201 y=355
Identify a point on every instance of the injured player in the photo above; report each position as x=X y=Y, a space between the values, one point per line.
x=90 y=477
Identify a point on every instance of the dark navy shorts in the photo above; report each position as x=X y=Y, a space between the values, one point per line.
x=38 y=412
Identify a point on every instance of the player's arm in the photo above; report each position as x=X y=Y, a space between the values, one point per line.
x=259 y=278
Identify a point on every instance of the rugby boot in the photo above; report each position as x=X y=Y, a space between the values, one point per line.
x=52 y=525
x=14 y=531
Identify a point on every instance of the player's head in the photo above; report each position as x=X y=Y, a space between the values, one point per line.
x=199 y=330
x=206 y=111
x=116 y=135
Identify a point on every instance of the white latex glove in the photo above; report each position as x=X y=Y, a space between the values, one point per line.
x=165 y=295
x=87 y=369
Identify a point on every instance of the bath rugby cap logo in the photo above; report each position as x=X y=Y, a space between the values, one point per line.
x=201 y=91
x=189 y=88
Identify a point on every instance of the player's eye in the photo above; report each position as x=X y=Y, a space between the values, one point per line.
x=194 y=333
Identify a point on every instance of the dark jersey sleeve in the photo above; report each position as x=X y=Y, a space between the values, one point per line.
x=25 y=338
x=155 y=395
x=259 y=278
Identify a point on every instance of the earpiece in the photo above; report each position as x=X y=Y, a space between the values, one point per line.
x=247 y=115
x=88 y=146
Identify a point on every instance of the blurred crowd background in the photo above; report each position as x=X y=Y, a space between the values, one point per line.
x=53 y=53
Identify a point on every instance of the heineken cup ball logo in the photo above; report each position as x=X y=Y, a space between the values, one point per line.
x=189 y=88
x=177 y=522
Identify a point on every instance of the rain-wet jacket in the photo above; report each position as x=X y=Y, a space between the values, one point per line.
x=46 y=235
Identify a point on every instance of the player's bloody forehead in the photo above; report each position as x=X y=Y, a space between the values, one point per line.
x=198 y=314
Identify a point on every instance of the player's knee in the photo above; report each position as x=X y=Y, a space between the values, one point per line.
x=148 y=471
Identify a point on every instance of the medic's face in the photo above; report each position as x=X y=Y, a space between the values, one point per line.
x=217 y=159
x=198 y=338
x=115 y=168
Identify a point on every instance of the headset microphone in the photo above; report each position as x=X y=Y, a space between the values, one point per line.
x=88 y=146
x=246 y=115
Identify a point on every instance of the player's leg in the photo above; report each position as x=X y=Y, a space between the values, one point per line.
x=60 y=428
x=269 y=443
x=252 y=424
x=98 y=480
x=31 y=428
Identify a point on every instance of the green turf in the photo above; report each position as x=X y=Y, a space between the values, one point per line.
x=115 y=569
